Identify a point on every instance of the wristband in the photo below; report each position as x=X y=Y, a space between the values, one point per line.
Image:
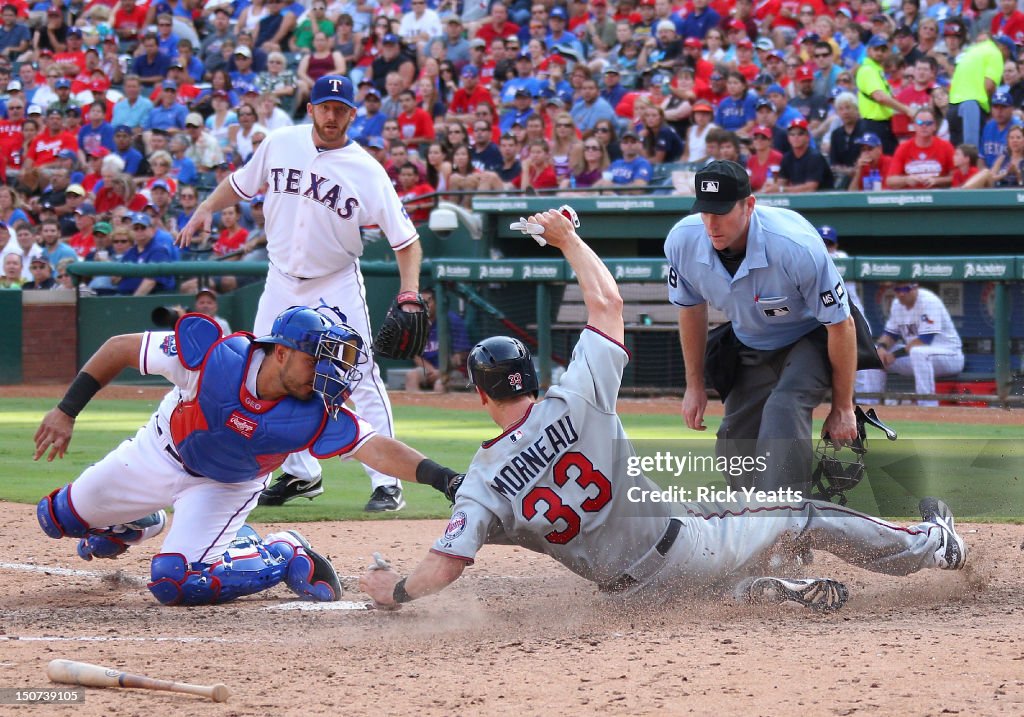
x=400 y=594
x=79 y=393
x=409 y=297
x=433 y=474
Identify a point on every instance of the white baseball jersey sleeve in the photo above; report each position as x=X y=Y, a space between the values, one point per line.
x=556 y=482
x=927 y=316
x=316 y=201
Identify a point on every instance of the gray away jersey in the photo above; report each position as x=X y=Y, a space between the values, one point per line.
x=556 y=483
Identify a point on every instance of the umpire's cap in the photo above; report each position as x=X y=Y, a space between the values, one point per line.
x=502 y=367
x=333 y=88
x=719 y=186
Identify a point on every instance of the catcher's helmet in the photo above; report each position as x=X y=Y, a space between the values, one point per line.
x=502 y=368
x=835 y=473
x=337 y=347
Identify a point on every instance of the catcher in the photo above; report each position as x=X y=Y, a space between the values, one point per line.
x=555 y=480
x=239 y=406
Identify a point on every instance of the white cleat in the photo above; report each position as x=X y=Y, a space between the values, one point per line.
x=820 y=594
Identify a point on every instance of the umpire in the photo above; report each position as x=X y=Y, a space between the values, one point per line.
x=767 y=269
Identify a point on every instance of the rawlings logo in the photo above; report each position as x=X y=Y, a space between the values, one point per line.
x=455 y=526
x=241 y=425
x=169 y=346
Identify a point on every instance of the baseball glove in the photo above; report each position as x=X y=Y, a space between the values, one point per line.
x=403 y=334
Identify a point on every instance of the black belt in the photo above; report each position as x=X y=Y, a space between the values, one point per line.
x=174 y=454
x=626 y=581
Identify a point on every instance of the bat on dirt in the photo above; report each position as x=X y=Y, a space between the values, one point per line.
x=82 y=673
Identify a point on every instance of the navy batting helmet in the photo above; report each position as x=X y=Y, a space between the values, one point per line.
x=337 y=347
x=502 y=367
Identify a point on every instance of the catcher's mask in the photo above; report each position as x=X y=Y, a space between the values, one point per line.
x=502 y=368
x=835 y=474
x=336 y=346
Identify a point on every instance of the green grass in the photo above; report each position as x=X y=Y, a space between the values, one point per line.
x=976 y=467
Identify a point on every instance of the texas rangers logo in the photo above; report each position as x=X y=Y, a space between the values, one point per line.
x=456 y=526
x=241 y=425
x=709 y=186
x=336 y=85
x=169 y=346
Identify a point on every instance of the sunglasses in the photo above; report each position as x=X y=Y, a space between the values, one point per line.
x=120 y=241
x=823 y=54
x=903 y=289
x=924 y=123
x=602 y=130
x=562 y=125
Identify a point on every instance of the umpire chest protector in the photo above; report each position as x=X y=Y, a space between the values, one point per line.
x=225 y=433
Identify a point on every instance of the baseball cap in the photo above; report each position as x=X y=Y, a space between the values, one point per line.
x=612 y=69
x=194 y=119
x=14 y=86
x=66 y=154
x=845 y=11
x=702 y=106
x=206 y=290
x=798 y=123
x=745 y=43
x=693 y=42
x=454 y=19
x=139 y=218
x=38 y=260
x=869 y=139
x=243 y=51
x=811 y=37
x=775 y=89
x=73 y=111
x=336 y=88
x=86 y=210
x=719 y=185
x=952 y=28
x=1008 y=43
x=103 y=228
x=169 y=85
x=258 y=199
x=477 y=42
x=470 y=71
x=99 y=152
x=390 y=39
x=735 y=24
x=160 y=184
x=375 y=143
x=904 y=30
x=122 y=128
x=763 y=43
x=828 y=234
x=558 y=13
x=523 y=92
x=765 y=78
x=74 y=32
x=764 y=102
x=556 y=101
x=878 y=41
x=665 y=25
x=1002 y=98
x=803 y=73
x=220 y=93
x=62 y=83
x=372 y=92
x=762 y=130
x=716 y=75
x=629 y=133
x=75 y=189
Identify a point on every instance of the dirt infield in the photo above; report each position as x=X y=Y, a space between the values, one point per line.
x=518 y=635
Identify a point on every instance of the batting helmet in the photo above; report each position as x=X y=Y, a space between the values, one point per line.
x=502 y=367
x=337 y=347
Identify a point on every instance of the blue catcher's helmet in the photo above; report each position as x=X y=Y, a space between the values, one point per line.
x=337 y=347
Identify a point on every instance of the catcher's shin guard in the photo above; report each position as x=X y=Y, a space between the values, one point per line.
x=310 y=575
x=57 y=516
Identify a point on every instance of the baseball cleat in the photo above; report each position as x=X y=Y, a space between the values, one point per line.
x=952 y=551
x=385 y=499
x=316 y=580
x=288 y=487
x=820 y=594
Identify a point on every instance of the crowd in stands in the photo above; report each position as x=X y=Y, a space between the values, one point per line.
x=117 y=116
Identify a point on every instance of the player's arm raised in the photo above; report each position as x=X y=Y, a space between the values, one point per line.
x=600 y=293
x=202 y=218
x=117 y=354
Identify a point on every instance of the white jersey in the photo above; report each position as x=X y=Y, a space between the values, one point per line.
x=557 y=481
x=316 y=201
x=928 y=316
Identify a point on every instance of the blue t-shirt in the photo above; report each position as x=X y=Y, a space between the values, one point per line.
x=184 y=170
x=732 y=114
x=92 y=138
x=993 y=140
x=154 y=253
x=460 y=339
x=624 y=172
x=160 y=65
x=132 y=159
x=161 y=117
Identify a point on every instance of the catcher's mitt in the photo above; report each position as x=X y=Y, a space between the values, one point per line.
x=403 y=334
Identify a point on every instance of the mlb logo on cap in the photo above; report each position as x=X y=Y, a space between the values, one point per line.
x=333 y=88
x=719 y=186
x=709 y=186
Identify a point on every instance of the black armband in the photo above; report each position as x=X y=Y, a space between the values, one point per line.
x=400 y=594
x=434 y=474
x=79 y=393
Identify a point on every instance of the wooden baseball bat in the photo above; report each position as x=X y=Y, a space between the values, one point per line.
x=82 y=673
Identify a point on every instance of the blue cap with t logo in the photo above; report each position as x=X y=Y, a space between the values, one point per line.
x=333 y=88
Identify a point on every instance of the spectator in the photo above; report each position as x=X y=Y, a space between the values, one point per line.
x=920 y=325
x=633 y=170
x=323 y=60
x=993 y=136
x=12 y=267
x=538 y=168
x=484 y=153
x=591 y=107
x=415 y=123
x=812 y=107
x=240 y=136
x=803 y=169
x=12 y=210
x=316 y=21
x=51 y=141
x=278 y=80
x=183 y=169
x=696 y=136
x=876 y=102
x=606 y=134
x=160 y=163
x=975 y=79
x=42 y=275
x=410 y=188
x=590 y=169
x=1008 y=170
x=511 y=169
x=15 y=36
x=661 y=143
x=1013 y=83
x=765 y=161
x=24 y=244
x=439 y=168
x=244 y=74
x=565 y=146
x=206 y=303
x=98 y=132
x=130 y=157
x=151 y=66
x=430 y=100
x=923 y=162
x=468 y=96
x=52 y=36
x=54 y=248
x=736 y=112
x=965 y=166
x=145 y=251
x=393 y=87
x=729 y=148
x=954 y=37
x=465 y=177
x=83 y=241
x=844 y=151
x=455 y=47
x=915 y=94
x=697 y=23
x=117 y=190
x=111 y=244
x=826 y=71
x=369 y=121
x=391 y=59
x=168 y=114
x=133 y=109
x=427 y=375
x=275 y=27
x=420 y=26
x=1009 y=21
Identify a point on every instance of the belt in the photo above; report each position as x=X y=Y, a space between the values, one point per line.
x=174 y=454
x=646 y=565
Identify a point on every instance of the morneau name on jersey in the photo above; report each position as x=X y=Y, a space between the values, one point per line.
x=319 y=189
x=531 y=462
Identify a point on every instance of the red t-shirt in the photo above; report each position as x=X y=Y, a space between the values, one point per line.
x=959 y=178
x=82 y=243
x=186 y=93
x=544 y=179
x=228 y=242
x=464 y=102
x=90 y=181
x=419 y=214
x=488 y=34
x=74 y=58
x=133 y=20
x=11 y=140
x=883 y=168
x=1012 y=26
x=935 y=160
x=912 y=97
x=759 y=172
x=749 y=71
x=417 y=124
x=45 y=147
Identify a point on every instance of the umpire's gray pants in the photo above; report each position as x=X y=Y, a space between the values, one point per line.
x=768 y=414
